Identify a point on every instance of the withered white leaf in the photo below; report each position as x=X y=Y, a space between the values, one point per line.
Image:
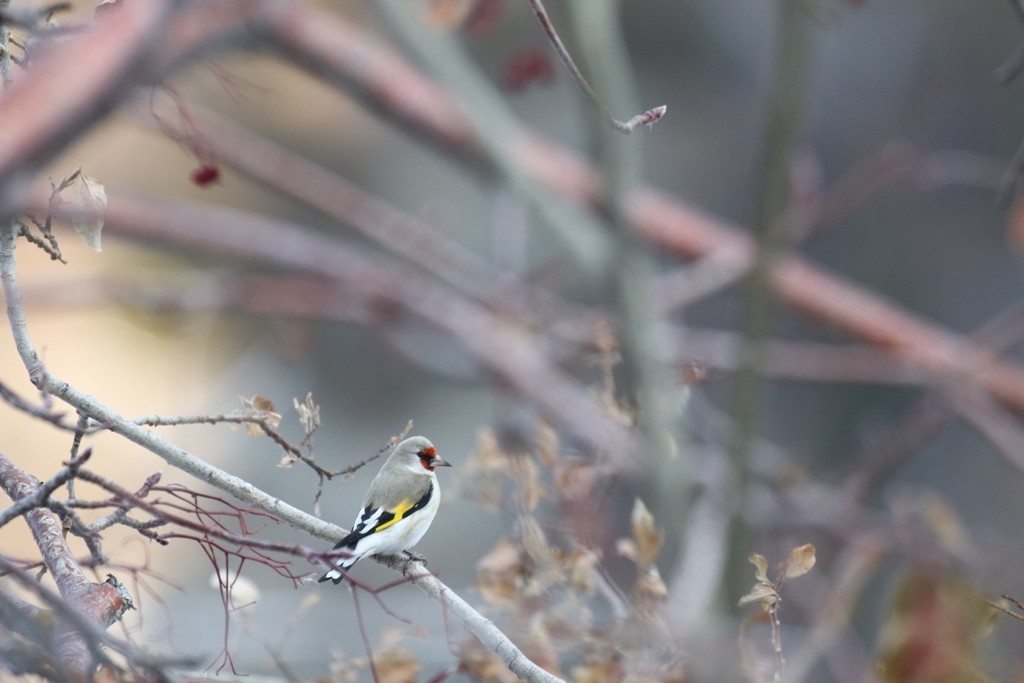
x=801 y=560
x=651 y=586
x=499 y=573
x=261 y=402
x=535 y=543
x=394 y=663
x=89 y=202
x=264 y=405
x=763 y=593
x=627 y=548
x=309 y=413
x=761 y=565
x=583 y=571
x=523 y=470
x=547 y=443
x=646 y=535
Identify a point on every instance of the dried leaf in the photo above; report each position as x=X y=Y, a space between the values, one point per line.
x=933 y=632
x=575 y=479
x=528 y=486
x=487 y=493
x=583 y=571
x=480 y=664
x=763 y=593
x=535 y=543
x=394 y=664
x=260 y=402
x=939 y=516
x=801 y=560
x=488 y=452
x=761 y=565
x=309 y=413
x=605 y=667
x=645 y=534
x=264 y=405
x=500 y=573
x=486 y=471
x=650 y=587
x=89 y=202
x=540 y=646
x=547 y=443
x=627 y=548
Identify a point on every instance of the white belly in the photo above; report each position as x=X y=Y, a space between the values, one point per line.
x=404 y=534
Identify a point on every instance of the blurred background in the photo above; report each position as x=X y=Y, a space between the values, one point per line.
x=906 y=128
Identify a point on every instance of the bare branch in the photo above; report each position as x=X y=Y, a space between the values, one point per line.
x=99 y=604
x=43 y=412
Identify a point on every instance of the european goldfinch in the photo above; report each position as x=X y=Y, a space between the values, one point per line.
x=399 y=506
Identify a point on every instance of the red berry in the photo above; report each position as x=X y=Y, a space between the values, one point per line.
x=206 y=174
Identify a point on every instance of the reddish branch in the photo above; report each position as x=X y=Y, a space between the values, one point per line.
x=326 y=45
x=666 y=221
x=101 y=603
x=73 y=89
x=205 y=523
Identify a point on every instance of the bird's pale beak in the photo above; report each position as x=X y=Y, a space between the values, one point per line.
x=438 y=461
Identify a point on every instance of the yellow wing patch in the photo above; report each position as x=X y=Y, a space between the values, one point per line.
x=400 y=511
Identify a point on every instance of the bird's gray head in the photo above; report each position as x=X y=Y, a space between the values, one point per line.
x=417 y=454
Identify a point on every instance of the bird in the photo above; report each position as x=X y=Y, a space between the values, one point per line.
x=398 y=507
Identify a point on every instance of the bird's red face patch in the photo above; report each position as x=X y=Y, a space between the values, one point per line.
x=427 y=456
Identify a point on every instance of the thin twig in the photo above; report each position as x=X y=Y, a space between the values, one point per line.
x=43 y=412
x=362 y=633
x=646 y=118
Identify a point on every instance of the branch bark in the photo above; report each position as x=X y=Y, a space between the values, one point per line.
x=100 y=603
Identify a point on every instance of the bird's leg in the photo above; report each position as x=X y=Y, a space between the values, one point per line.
x=413 y=555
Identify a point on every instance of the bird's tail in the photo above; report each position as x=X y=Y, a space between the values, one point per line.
x=334 y=575
x=337 y=575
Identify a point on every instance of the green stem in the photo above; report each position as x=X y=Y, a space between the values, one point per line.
x=771 y=225
x=602 y=49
